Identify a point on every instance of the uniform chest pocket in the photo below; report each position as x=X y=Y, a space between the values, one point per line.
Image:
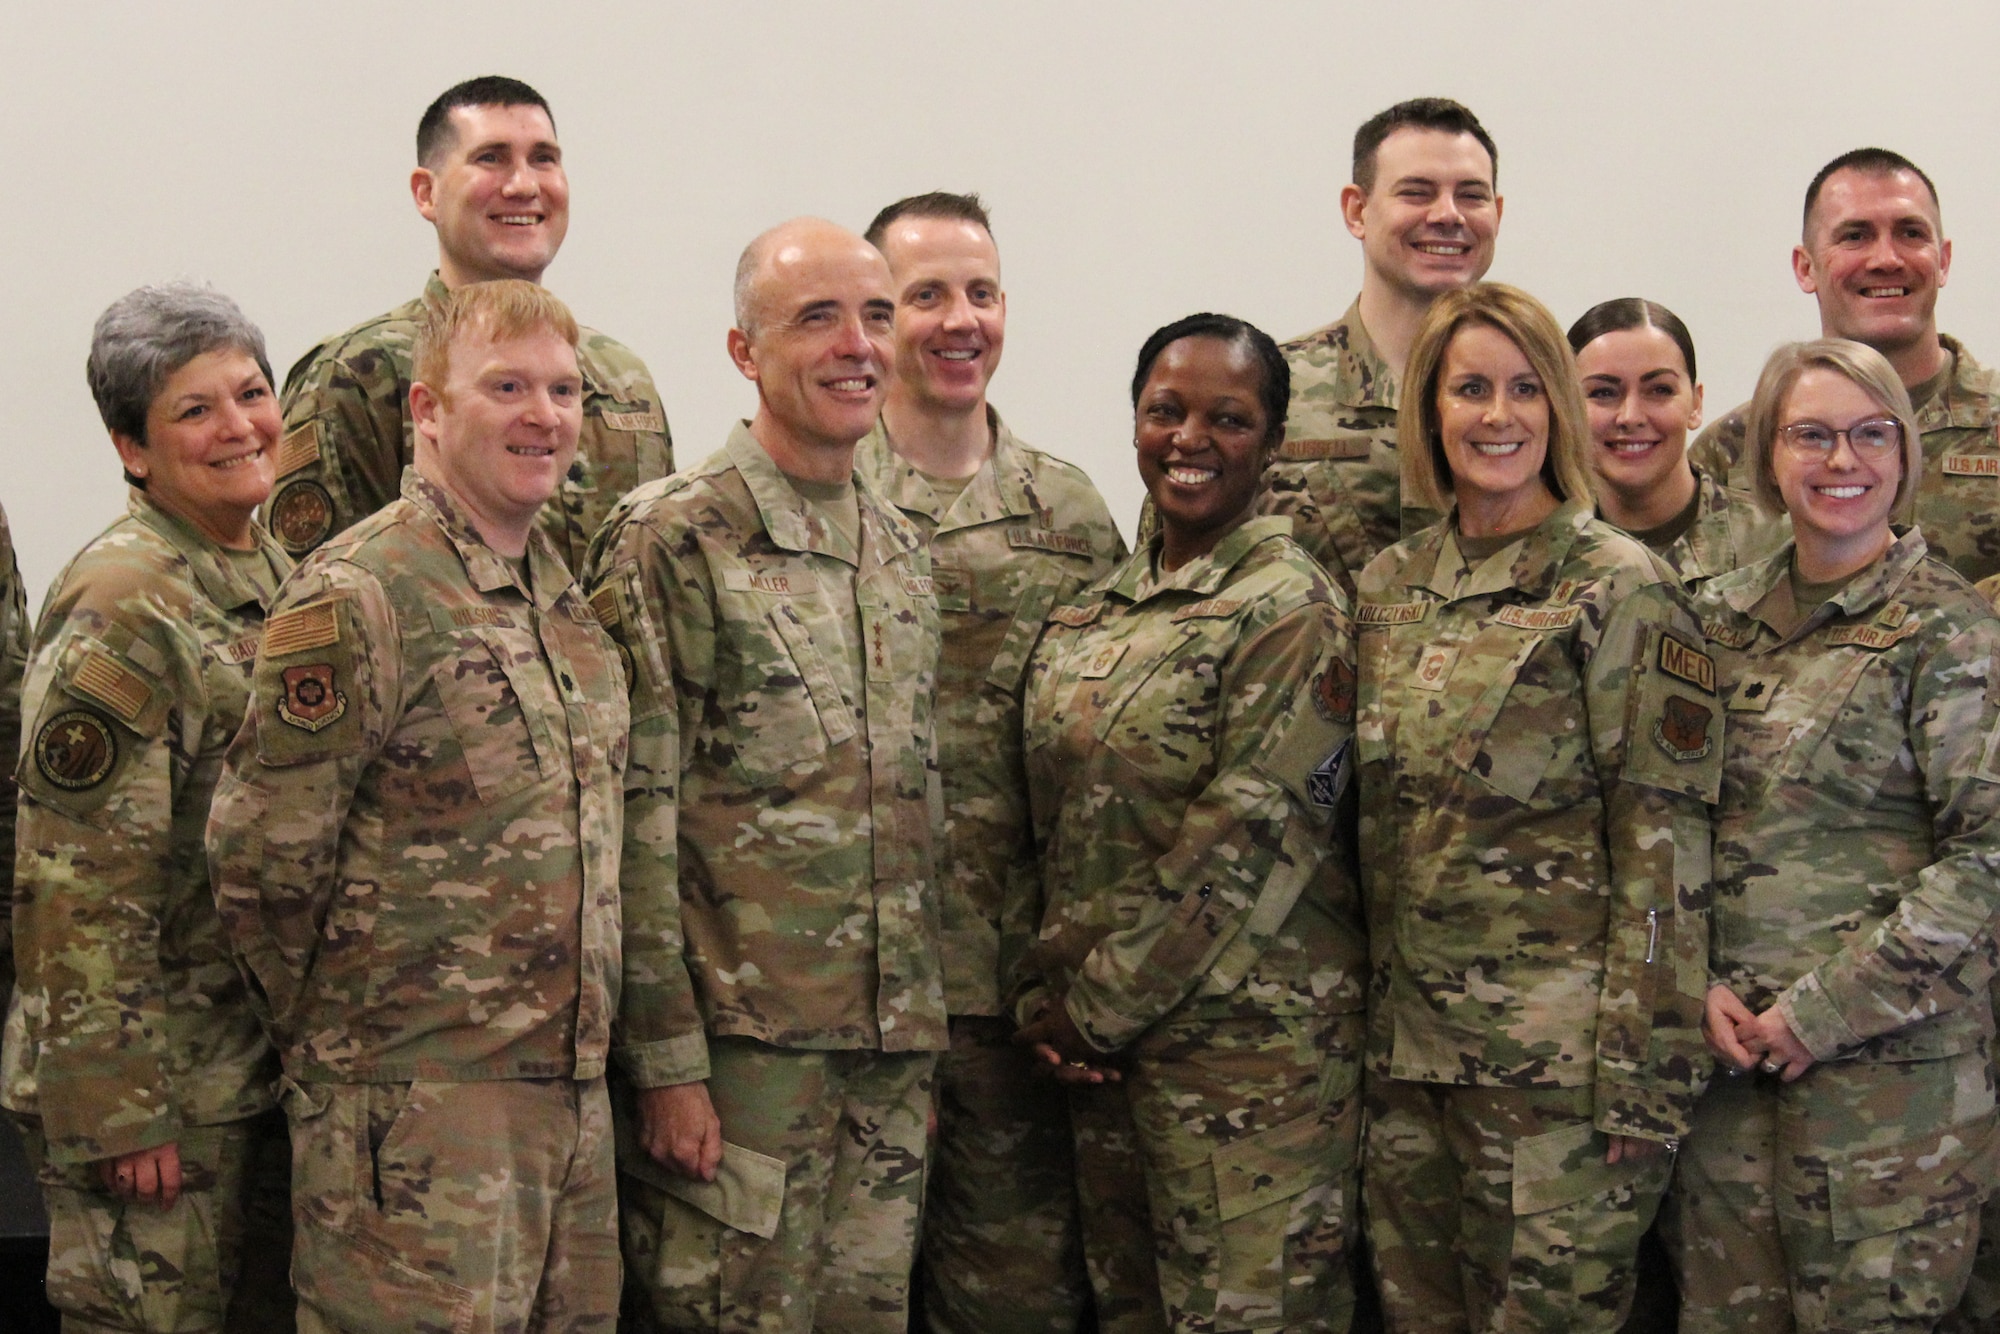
x=490 y=685
x=1525 y=725
x=789 y=708
x=1854 y=736
x=1165 y=712
x=1011 y=658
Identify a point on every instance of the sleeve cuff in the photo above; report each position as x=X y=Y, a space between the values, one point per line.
x=681 y=1060
x=1102 y=1027
x=1808 y=1011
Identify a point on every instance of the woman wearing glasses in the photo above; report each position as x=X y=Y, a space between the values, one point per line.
x=1832 y=1178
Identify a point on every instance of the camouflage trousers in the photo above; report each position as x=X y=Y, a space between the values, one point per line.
x=1492 y=1209
x=1979 y=1311
x=848 y=1131
x=1217 y=1181
x=1846 y=1201
x=1002 y=1250
x=214 y=1262
x=436 y=1208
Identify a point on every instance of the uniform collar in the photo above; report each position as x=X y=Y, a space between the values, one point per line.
x=1437 y=567
x=788 y=519
x=1205 y=575
x=1967 y=397
x=1361 y=378
x=222 y=579
x=1876 y=586
x=1003 y=488
x=488 y=570
x=1706 y=547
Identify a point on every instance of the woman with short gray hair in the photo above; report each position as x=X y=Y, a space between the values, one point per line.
x=133 y=1058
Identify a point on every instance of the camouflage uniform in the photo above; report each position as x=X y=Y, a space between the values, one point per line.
x=1854 y=890
x=1001 y=1247
x=130 y=1028
x=1729 y=531
x=781 y=920
x=1187 y=738
x=348 y=435
x=1958 y=497
x=1338 y=474
x=1537 y=736
x=13 y=663
x=415 y=850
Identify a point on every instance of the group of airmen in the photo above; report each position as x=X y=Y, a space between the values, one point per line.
x=579 y=894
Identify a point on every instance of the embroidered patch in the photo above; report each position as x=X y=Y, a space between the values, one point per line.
x=604 y=605
x=1754 y=693
x=1334 y=691
x=1208 y=607
x=314 y=625
x=302 y=516
x=1869 y=636
x=1540 y=618
x=465 y=618
x=243 y=649
x=1729 y=636
x=772 y=583
x=76 y=750
x=1565 y=590
x=1346 y=447
x=112 y=684
x=310 y=701
x=1972 y=465
x=296 y=450
x=1391 y=613
x=1077 y=617
x=1045 y=539
x=1434 y=668
x=1682 y=730
x=918 y=585
x=1101 y=662
x=1323 y=784
x=1893 y=615
x=654 y=421
x=1690 y=665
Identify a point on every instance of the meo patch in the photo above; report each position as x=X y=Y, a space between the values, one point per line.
x=1682 y=729
x=76 y=750
x=310 y=702
x=1690 y=665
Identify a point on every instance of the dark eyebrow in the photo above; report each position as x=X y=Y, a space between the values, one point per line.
x=813 y=308
x=880 y=305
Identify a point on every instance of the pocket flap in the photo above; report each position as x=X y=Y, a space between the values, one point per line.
x=748 y=1193
x=1565 y=1166
x=1272 y=1165
x=1873 y=1191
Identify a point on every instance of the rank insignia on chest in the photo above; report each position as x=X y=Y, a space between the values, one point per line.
x=1682 y=730
x=1099 y=664
x=76 y=750
x=310 y=702
x=1754 y=693
x=1434 y=668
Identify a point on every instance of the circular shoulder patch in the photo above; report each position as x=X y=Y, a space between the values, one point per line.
x=76 y=750
x=302 y=516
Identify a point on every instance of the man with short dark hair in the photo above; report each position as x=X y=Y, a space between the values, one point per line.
x=490 y=179
x=1873 y=254
x=414 y=847
x=1013 y=532
x=783 y=1001
x=1424 y=206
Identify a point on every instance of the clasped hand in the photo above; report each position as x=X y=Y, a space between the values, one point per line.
x=1746 y=1040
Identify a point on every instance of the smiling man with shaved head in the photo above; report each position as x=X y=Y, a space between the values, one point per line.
x=784 y=1001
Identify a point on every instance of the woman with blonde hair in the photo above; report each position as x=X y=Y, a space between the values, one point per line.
x=1537 y=736
x=1833 y=1181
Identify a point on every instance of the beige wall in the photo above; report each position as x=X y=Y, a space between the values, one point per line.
x=1143 y=158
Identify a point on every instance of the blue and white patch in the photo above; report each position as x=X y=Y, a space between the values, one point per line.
x=1325 y=784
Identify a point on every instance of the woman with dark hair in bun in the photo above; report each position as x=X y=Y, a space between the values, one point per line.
x=1196 y=979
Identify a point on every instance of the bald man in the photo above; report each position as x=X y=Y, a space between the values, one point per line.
x=784 y=999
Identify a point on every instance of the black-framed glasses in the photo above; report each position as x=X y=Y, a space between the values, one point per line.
x=1869 y=439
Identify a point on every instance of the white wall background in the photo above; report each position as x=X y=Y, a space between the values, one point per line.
x=1143 y=158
